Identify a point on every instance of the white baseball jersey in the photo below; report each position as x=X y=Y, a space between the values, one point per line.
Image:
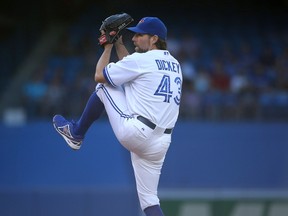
x=152 y=83
x=152 y=89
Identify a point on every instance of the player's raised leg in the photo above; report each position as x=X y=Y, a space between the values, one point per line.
x=115 y=104
x=65 y=129
x=74 y=132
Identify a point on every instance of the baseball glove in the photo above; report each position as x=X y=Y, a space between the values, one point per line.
x=112 y=26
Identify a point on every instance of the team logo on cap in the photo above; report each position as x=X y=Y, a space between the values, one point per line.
x=141 y=21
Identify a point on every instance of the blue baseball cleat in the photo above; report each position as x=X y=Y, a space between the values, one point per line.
x=64 y=128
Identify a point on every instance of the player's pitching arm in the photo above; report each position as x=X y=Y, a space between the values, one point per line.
x=102 y=62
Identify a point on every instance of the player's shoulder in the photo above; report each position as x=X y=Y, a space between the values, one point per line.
x=152 y=54
x=136 y=55
x=139 y=57
x=161 y=54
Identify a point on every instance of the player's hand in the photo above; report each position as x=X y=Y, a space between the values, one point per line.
x=119 y=41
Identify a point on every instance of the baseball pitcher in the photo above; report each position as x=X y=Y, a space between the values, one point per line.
x=141 y=95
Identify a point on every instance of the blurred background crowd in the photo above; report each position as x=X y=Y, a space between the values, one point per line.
x=234 y=57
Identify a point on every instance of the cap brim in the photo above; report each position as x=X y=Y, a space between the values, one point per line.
x=136 y=30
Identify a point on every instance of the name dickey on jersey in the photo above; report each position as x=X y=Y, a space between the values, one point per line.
x=167 y=65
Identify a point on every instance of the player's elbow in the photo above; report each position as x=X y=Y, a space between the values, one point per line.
x=96 y=78
x=99 y=78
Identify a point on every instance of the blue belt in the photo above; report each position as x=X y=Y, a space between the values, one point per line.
x=152 y=125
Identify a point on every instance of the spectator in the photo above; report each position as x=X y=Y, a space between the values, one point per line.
x=238 y=82
x=219 y=78
x=53 y=99
x=33 y=93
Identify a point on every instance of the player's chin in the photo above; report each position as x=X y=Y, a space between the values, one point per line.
x=139 y=50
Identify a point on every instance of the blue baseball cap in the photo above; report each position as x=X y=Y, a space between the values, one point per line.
x=152 y=26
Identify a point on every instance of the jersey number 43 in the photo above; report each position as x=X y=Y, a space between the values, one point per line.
x=164 y=89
